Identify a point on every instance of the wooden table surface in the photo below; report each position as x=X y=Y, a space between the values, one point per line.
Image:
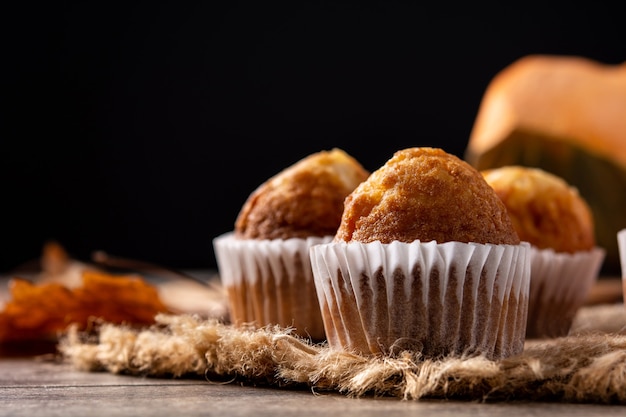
x=34 y=386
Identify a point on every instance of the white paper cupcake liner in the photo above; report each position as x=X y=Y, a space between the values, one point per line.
x=270 y=282
x=621 y=244
x=438 y=299
x=559 y=286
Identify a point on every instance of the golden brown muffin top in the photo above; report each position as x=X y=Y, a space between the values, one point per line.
x=303 y=200
x=426 y=194
x=546 y=211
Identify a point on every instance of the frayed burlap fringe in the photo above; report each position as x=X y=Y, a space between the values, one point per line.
x=589 y=366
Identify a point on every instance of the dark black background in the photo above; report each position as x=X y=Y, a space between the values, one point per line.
x=140 y=128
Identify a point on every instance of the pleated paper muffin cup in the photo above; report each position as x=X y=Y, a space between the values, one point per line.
x=621 y=244
x=559 y=285
x=270 y=282
x=447 y=299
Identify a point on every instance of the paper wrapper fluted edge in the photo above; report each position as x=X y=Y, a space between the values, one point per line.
x=559 y=285
x=438 y=299
x=270 y=282
x=621 y=244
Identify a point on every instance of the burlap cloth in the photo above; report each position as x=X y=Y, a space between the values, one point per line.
x=589 y=365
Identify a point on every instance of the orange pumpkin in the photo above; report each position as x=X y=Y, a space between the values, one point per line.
x=566 y=115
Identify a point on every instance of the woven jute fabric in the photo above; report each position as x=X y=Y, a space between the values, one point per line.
x=587 y=366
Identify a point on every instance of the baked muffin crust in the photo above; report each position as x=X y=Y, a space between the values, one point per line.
x=427 y=194
x=303 y=200
x=546 y=211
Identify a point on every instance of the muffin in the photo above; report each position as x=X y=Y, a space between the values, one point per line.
x=264 y=262
x=551 y=215
x=426 y=260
